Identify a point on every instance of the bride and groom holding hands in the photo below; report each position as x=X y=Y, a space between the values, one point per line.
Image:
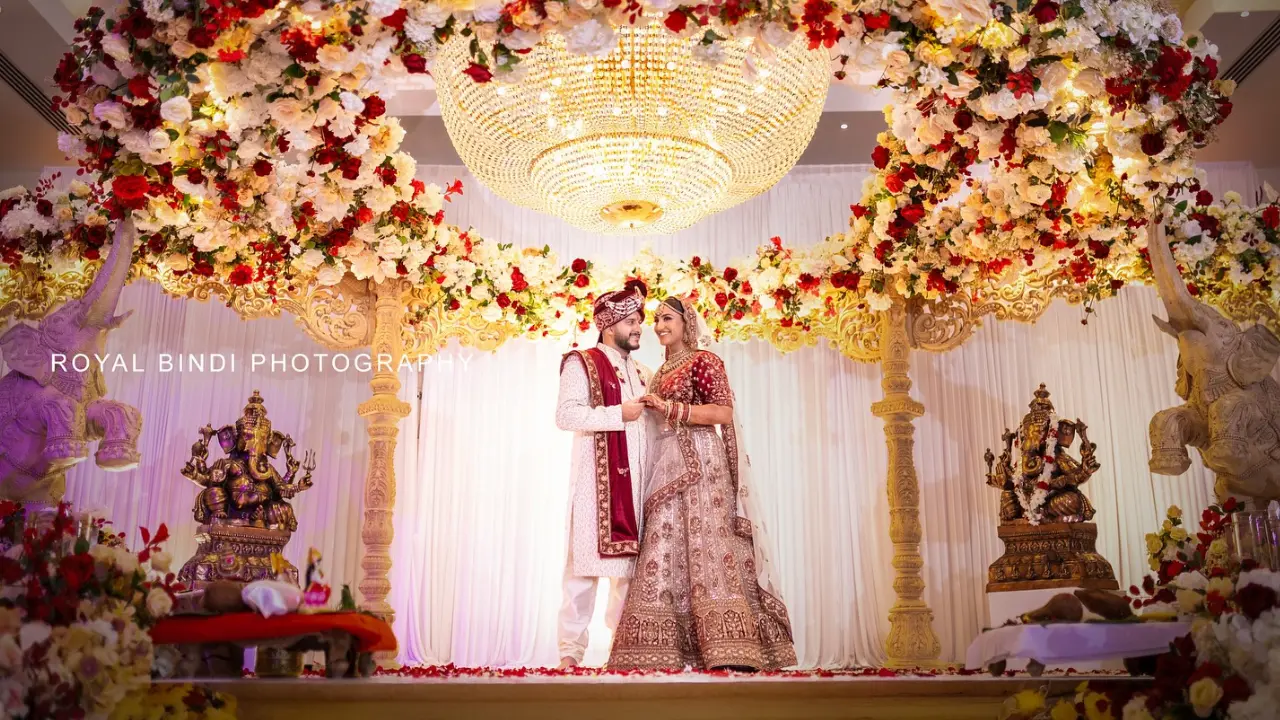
x=662 y=504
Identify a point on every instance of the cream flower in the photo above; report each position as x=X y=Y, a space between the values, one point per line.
x=1204 y=695
x=176 y=110
x=970 y=12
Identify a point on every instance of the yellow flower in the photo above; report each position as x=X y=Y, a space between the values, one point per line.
x=1178 y=534
x=998 y=36
x=1167 y=526
x=1154 y=543
x=1064 y=711
x=1189 y=601
x=1220 y=585
x=1218 y=547
x=1204 y=695
x=1154 y=562
x=1175 y=512
x=1028 y=701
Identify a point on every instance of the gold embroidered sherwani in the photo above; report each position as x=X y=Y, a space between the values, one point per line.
x=584 y=565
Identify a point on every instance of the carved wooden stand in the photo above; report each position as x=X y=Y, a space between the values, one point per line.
x=911 y=641
x=1050 y=555
x=242 y=554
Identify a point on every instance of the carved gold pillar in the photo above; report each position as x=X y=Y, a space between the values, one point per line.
x=383 y=412
x=911 y=640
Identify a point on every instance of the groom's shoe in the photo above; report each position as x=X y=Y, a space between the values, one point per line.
x=568 y=663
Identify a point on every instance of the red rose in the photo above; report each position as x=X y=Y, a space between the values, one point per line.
x=241 y=275
x=479 y=73
x=364 y=214
x=44 y=207
x=1255 y=600
x=202 y=37
x=582 y=281
x=414 y=63
x=676 y=21
x=1235 y=688
x=912 y=213
x=858 y=210
x=1271 y=216
x=374 y=107
x=503 y=301
x=880 y=157
x=1204 y=197
x=730 y=274
x=963 y=120
x=579 y=265
x=696 y=262
x=454 y=304
x=746 y=288
x=396 y=19
x=722 y=299
x=351 y=167
x=262 y=167
x=894 y=184
x=130 y=190
x=139 y=86
x=1045 y=11
x=879 y=21
x=1153 y=143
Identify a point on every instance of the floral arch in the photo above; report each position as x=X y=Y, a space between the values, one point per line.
x=249 y=141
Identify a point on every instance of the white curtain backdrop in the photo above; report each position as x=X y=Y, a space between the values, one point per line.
x=482 y=491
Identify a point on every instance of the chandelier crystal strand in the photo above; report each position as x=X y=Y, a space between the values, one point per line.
x=645 y=140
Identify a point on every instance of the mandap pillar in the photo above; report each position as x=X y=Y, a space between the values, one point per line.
x=383 y=413
x=911 y=641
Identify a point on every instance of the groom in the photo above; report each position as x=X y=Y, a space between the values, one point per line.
x=600 y=391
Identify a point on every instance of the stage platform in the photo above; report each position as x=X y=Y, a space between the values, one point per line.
x=673 y=697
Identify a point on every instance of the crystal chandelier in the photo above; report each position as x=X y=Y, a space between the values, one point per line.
x=645 y=140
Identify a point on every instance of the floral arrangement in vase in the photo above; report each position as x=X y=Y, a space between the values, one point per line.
x=75 y=610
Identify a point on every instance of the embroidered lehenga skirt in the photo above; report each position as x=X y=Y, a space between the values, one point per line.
x=695 y=600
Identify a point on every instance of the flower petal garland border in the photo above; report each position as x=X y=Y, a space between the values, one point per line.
x=249 y=141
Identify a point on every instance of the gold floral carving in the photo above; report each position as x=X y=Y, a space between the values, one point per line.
x=383 y=413
x=912 y=641
x=429 y=327
x=29 y=292
x=853 y=330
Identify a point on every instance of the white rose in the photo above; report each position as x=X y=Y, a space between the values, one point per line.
x=330 y=274
x=33 y=633
x=1018 y=59
x=176 y=110
x=972 y=12
x=491 y=313
x=1036 y=194
x=352 y=102
x=897 y=66
x=111 y=113
x=160 y=561
x=117 y=47
x=126 y=561
x=158 y=602
x=158 y=139
x=1089 y=82
x=487 y=10
x=1054 y=77
x=591 y=38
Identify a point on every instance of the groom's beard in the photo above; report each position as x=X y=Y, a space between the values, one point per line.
x=630 y=343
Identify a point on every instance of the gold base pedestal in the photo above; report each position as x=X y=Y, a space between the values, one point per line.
x=1051 y=555
x=241 y=554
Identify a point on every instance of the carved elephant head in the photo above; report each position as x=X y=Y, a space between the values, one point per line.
x=77 y=328
x=1232 y=413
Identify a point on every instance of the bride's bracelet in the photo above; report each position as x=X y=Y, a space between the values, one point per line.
x=678 y=413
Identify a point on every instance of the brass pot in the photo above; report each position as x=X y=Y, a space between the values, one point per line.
x=278 y=663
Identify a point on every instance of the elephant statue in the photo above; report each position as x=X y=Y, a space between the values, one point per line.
x=50 y=412
x=1232 y=409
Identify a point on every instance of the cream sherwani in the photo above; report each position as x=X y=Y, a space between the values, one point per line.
x=584 y=566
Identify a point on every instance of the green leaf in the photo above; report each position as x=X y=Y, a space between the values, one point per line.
x=173 y=134
x=193 y=78
x=1181 y=207
x=1058 y=131
x=975 y=93
x=1024 y=5
x=295 y=71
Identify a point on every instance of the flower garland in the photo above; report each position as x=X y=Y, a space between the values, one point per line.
x=249 y=140
x=175 y=702
x=1032 y=498
x=77 y=607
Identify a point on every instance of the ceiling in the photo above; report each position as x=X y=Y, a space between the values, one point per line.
x=34 y=33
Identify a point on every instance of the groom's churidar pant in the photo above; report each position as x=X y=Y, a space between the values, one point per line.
x=579 y=605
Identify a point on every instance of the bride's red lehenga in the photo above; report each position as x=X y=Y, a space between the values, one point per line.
x=695 y=599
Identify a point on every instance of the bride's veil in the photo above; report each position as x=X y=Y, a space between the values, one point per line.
x=750 y=509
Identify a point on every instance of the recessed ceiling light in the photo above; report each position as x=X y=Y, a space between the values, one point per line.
x=844 y=126
x=1244 y=14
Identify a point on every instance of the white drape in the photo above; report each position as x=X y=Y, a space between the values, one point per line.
x=480 y=525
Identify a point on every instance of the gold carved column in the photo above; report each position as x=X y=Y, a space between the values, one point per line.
x=383 y=413
x=911 y=641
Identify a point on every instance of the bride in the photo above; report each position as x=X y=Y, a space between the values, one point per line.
x=702 y=595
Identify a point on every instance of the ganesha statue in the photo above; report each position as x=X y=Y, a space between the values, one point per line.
x=1044 y=515
x=53 y=402
x=243 y=505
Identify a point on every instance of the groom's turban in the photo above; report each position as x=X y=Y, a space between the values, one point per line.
x=612 y=308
